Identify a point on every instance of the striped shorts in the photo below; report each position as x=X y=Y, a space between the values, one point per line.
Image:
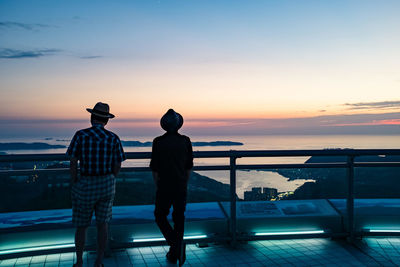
x=92 y=193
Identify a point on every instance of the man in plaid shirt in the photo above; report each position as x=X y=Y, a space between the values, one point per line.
x=100 y=154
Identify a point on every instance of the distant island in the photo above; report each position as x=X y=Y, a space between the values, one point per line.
x=28 y=146
x=217 y=143
x=41 y=145
x=212 y=143
x=136 y=143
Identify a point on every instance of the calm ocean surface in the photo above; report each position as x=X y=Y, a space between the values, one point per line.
x=246 y=180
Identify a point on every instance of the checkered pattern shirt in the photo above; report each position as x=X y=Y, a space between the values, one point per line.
x=97 y=150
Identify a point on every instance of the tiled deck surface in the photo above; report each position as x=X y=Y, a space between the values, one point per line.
x=295 y=252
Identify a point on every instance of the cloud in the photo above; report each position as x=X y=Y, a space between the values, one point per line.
x=17 y=54
x=90 y=57
x=373 y=105
x=371 y=123
x=24 y=26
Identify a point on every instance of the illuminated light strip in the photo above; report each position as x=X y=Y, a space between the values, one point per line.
x=195 y=237
x=163 y=239
x=29 y=249
x=70 y=245
x=291 y=233
x=148 y=239
x=382 y=231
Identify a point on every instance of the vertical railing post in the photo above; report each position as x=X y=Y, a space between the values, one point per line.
x=233 y=198
x=350 y=197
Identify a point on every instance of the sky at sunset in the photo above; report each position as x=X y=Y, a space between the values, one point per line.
x=229 y=67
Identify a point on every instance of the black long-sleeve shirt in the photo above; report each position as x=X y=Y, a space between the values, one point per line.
x=171 y=158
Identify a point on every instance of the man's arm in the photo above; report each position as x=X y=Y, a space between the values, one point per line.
x=155 y=162
x=188 y=172
x=189 y=163
x=156 y=178
x=73 y=152
x=116 y=168
x=119 y=157
x=73 y=169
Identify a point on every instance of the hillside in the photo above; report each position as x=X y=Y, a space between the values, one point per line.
x=23 y=193
x=381 y=182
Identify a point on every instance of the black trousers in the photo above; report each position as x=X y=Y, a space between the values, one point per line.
x=164 y=201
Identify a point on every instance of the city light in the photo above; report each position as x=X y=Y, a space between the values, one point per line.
x=290 y=233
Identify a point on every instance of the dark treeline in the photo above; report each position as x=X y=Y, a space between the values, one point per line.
x=52 y=191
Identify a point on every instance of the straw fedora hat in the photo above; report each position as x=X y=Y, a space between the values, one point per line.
x=101 y=110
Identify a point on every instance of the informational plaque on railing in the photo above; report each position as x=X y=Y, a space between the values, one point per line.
x=259 y=209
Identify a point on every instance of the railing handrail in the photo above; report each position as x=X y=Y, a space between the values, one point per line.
x=220 y=154
x=225 y=167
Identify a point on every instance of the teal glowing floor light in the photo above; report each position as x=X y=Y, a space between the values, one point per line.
x=290 y=233
x=189 y=237
x=39 y=248
x=381 y=231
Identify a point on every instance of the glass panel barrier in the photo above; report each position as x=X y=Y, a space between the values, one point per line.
x=377 y=193
x=290 y=201
x=30 y=191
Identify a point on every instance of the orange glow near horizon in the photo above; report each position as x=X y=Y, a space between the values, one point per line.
x=80 y=113
x=227 y=91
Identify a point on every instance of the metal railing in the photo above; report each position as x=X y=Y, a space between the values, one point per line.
x=233 y=155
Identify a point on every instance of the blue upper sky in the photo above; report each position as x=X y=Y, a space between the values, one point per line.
x=207 y=59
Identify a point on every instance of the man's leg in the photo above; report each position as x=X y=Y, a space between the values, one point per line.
x=178 y=214
x=80 y=237
x=162 y=206
x=102 y=239
x=103 y=213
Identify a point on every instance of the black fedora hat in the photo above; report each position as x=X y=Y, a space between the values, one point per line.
x=101 y=110
x=171 y=121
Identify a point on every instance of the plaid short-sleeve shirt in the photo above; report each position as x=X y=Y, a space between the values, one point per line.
x=97 y=150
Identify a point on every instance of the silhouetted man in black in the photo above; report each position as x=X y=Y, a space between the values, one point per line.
x=171 y=163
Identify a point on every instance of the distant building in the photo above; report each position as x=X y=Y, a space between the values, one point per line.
x=257 y=193
x=270 y=192
x=254 y=194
